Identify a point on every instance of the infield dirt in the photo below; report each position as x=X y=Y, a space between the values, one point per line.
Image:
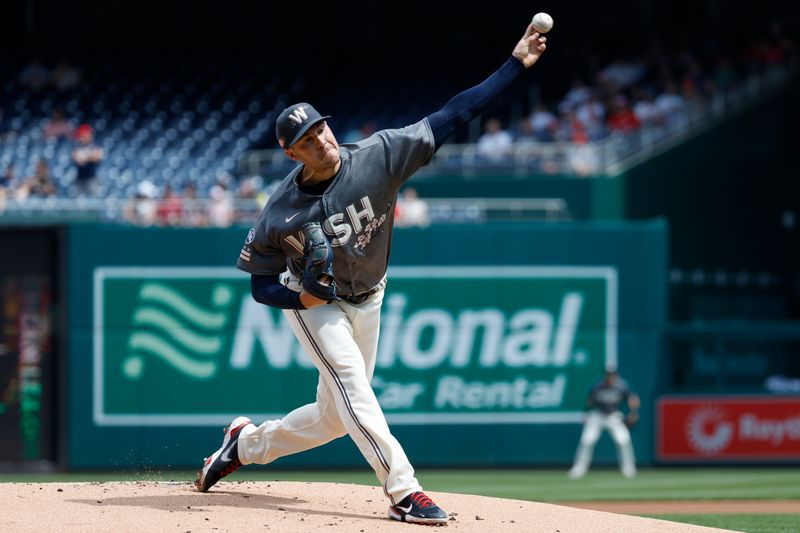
x=291 y=507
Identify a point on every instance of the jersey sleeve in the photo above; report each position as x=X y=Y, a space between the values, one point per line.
x=407 y=149
x=258 y=256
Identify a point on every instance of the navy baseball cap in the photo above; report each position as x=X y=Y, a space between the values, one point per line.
x=294 y=122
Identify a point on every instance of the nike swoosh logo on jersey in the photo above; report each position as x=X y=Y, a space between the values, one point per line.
x=289 y=219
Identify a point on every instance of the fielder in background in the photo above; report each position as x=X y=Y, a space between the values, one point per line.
x=604 y=412
x=320 y=251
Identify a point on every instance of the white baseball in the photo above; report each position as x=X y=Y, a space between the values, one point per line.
x=542 y=22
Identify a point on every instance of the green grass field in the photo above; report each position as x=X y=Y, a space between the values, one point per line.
x=751 y=523
x=551 y=486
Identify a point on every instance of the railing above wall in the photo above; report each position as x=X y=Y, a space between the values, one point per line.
x=201 y=213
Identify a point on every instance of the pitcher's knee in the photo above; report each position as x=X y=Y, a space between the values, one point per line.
x=334 y=424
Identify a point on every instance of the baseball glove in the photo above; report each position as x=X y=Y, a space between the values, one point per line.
x=318 y=274
x=631 y=419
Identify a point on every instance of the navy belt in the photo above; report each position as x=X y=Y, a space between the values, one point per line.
x=357 y=299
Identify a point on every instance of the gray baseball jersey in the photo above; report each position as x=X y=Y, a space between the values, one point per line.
x=608 y=397
x=356 y=211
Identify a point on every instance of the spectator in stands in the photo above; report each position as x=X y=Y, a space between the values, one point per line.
x=194 y=215
x=57 y=126
x=9 y=178
x=525 y=136
x=247 y=190
x=571 y=129
x=645 y=109
x=220 y=207
x=65 y=77
x=411 y=210
x=695 y=85
x=767 y=53
x=143 y=207
x=170 y=209
x=496 y=143
x=544 y=123
x=262 y=193
x=225 y=180
x=591 y=114
x=34 y=75
x=622 y=73
x=784 y=45
x=584 y=159
x=41 y=184
x=688 y=86
x=250 y=199
x=670 y=104
x=6 y=186
x=87 y=156
x=578 y=94
x=621 y=118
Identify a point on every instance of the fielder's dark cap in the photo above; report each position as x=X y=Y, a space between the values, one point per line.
x=294 y=121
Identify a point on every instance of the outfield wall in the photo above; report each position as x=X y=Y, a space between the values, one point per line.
x=491 y=336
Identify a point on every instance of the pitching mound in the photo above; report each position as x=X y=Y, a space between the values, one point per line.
x=281 y=507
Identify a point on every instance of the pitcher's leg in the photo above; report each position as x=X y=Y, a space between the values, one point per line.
x=366 y=322
x=365 y=319
x=341 y=364
x=304 y=428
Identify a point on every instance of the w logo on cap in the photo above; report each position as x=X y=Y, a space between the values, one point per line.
x=298 y=115
x=295 y=121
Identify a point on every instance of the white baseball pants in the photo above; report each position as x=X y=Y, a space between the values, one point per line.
x=596 y=422
x=342 y=341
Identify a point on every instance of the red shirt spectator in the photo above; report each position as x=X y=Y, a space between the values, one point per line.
x=577 y=130
x=170 y=208
x=624 y=121
x=622 y=118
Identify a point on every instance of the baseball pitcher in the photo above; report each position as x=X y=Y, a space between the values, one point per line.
x=319 y=251
x=604 y=412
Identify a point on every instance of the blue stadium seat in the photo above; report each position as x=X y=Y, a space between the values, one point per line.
x=169 y=124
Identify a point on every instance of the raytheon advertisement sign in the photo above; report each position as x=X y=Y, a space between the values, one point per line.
x=728 y=428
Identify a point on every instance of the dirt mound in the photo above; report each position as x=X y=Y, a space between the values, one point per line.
x=283 y=507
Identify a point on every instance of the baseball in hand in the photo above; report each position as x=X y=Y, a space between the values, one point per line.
x=542 y=22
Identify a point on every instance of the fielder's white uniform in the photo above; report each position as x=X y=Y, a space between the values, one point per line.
x=606 y=398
